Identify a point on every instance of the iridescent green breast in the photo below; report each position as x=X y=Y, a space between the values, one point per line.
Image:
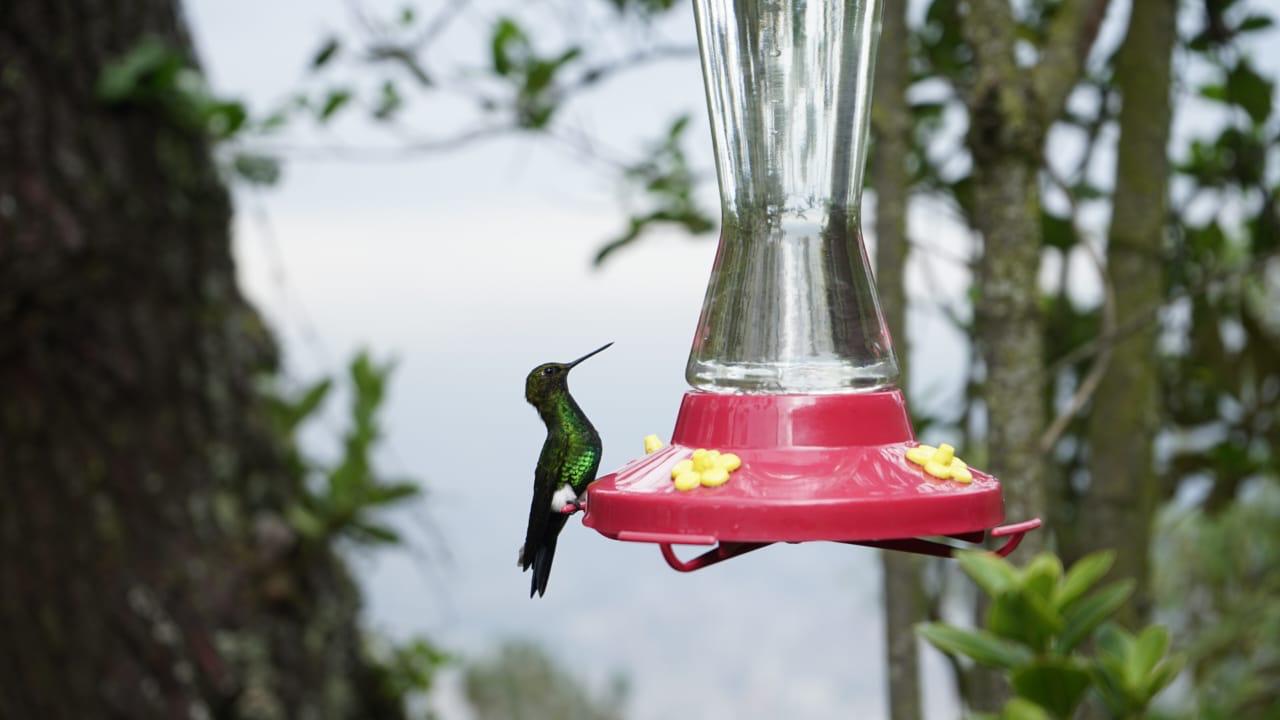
x=573 y=446
x=581 y=463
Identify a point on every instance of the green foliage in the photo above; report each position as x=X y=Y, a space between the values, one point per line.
x=522 y=681
x=532 y=77
x=1217 y=584
x=406 y=671
x=1131 y=670
x=154 y=74
x=334 y=100
x=666 y=181
x=981 y=646
x=1036 y=623
x=389 y=101
x=327 y=52
x=342 y=499
x=1223 y=372
x=256 y=169
x=1220 y=369
x=643 y=8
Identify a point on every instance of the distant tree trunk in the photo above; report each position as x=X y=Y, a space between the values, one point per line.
x=891 y=127
x=1010 y=111
x=1117 y=510
x=1005 y=141
x=147 y=571
x=1008 y=324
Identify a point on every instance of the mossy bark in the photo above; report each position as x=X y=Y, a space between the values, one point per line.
x=891 y=130
x=1010 y=111
x=147 y=570
x=1117 y=509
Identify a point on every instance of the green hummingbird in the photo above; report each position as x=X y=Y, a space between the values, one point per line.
x=568 y=463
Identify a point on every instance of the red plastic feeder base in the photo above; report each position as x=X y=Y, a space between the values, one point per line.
x=814 y=467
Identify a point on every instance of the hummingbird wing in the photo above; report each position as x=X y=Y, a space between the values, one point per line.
x=540 y=539
x=544 y=488
x=539 y=518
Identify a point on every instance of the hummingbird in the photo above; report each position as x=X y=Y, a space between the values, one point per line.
x=568 y=463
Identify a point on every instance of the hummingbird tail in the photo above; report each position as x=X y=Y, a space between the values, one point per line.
x=542 y=567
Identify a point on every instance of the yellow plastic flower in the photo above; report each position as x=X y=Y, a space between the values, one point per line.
x=705 y=468
x=940 y=462
x=652 y=444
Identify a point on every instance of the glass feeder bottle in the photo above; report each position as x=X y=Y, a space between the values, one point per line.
x=791 y=304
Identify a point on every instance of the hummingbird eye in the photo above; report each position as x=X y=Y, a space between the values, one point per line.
x=549 y=370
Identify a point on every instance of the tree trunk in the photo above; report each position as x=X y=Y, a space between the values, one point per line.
x=1004 y=139
x=891 y=125
x=1117 y=510
x=1010 y=111
x=147 y=569
x=1010 y=336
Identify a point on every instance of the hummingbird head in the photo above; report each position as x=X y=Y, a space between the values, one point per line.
x=549 y=378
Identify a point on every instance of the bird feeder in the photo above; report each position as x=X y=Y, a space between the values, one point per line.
x=792 y=367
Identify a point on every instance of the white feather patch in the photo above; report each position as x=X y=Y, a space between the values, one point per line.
x=563 y=496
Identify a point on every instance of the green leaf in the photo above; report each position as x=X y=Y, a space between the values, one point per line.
x=1057 y=685
x=1165 y=673
x=507 y=37
x=1057 y=232
x=983 y=647
x=388 y=494
x=308 y=403
x=333 y=102
x=150 y=66
x=678 y=126
x=1148 y=649
x=371 y=533
x=256 y=169
x=1213 y=91
x=1114 y=643
x=389 y=102
x=1022 y=709
x=307 y=523
x=327 y=52
x=224 y=118
x=1250 y=91
x=991 y=572
x=1254 y=23
x=1082 y=576
x=1042 y=574
x=1109 y=681
x=1023 y=616
x=1091 y=612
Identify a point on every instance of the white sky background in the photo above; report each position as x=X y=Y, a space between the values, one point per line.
x=471 y=268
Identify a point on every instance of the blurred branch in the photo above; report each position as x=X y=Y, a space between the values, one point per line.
x=1071 y=35
x=439 y=23
x=635 y=60
x=990 y=29
x=407 y=151
x=1140 y=319
x=1089 y=385
x=933 y=281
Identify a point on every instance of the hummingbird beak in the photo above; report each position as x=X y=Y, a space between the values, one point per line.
x=593 y=352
